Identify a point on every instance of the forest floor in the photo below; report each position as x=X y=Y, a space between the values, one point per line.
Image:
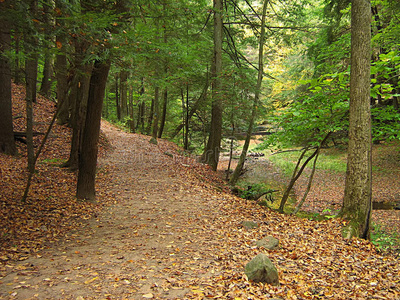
x=163 y=227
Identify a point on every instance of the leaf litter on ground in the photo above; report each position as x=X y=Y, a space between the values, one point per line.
x=164 y=226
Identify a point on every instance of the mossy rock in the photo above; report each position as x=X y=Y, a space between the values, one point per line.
x=261 y=269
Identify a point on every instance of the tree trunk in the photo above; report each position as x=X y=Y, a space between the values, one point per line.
x=310 y=179
x=150 y=117
x=90 y=137
x=239 y=167
x=141 y=107
x=297 y=174
x=30 y=68
x=186 y=139
x=164 y=113
x=17 y=63
x=358 y=192
x=211 y=153
x=156 y=113
x=124 y=94
x=194 y=108
x=78 y=115
x=30 y=80
x=132 y=127
x=45 y=87
x=7 y=142
x=62 y=78
x=117 y=100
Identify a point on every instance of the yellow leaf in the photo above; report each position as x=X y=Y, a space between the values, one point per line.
x=91 y=280
x=198 y=292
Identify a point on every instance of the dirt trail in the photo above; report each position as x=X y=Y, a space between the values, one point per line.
x=172 y=235
x=132 y=248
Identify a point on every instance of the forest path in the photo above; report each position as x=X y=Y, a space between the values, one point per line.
x=147 y=245
x=173 y=233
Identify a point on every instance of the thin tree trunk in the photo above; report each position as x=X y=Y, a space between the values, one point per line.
x=296 y=174
x=30 y=175
x=310 y=179
x=186 y=141
x=194 y=108
x=164 y=113
x=117 y=99
x=132 y=127
x=357 y=201
x=124 y=94
x=156 y=114
x=230 y=152
x=90 y=136
x=17 y=63
x=150 y=117
x=239 y=167
x=141 y=107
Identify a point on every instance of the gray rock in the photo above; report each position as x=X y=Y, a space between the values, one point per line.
x=249 y=224
x=268 y=242
x=261 y=269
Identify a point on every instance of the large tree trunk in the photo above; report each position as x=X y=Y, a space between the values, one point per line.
x=358 y=193
x=78 y=115
x=91 y=132
x=30 y=80
x=211 y=153
x=7 y=143
x=239 y=167
x=61 y=72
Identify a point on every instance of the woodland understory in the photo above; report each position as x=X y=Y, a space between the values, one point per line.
x=167 y=227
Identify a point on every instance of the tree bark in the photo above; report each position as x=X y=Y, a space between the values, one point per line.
x=194 y=108
x=7 y=142
x=239 y=167
x=358 y=192
x=78 y=115
x=164 y=113
x=156 y=113
x=91 y=132
x=132 y=126
x=141 y=106
x=61 y=67
x=31 y=60
x=212 y=150
x=117 y=99
x=45 y=86
x=123 y=86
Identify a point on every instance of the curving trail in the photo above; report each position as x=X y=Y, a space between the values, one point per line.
x=171 y=234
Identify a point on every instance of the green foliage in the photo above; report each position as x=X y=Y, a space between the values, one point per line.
x=254 y=191
x=307 y=121
x=386 y=122
x=385 y=241
x=328 y=159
